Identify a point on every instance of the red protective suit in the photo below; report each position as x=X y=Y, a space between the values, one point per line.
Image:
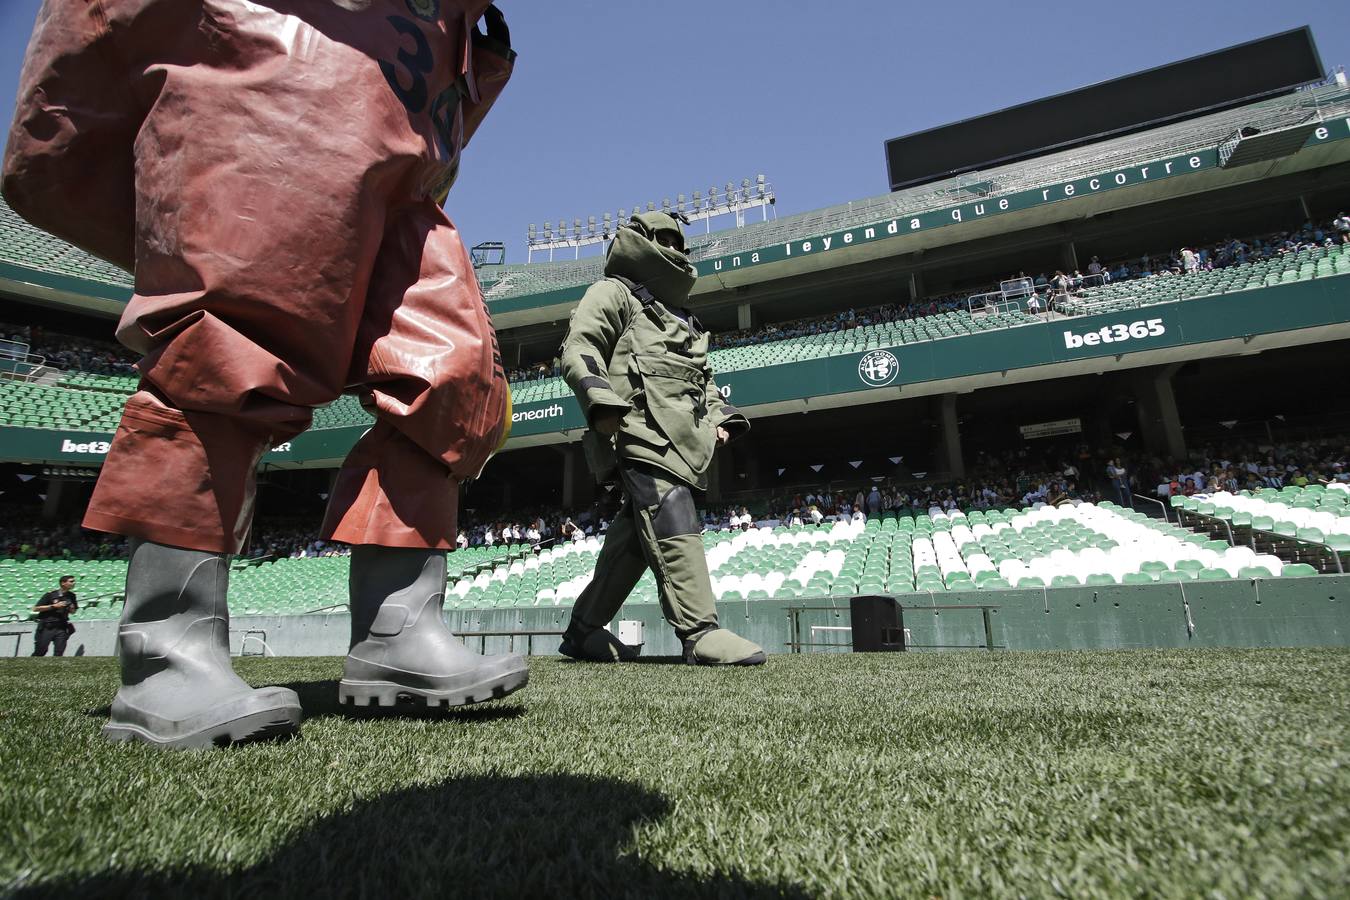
x=271 y=170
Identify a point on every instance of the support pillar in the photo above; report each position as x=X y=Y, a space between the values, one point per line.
x=1069 y=257
x=1156 y=408
x=714 y=493
x=55 y=503
x=915 y=285
x=578 y=487
x=1303 y=205
x=750 y=464
x=744 y=318
x=949 y=456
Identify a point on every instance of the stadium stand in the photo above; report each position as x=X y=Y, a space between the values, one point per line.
x=944 y=538
x=1304 y=265
x=1197 y=134
x=24 y=245
x=1310 y=523
x=1324 y=262
x=1042 y=546
x=92 y=401
x=29 y=405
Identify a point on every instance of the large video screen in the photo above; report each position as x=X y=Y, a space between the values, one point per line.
x=1224 y=78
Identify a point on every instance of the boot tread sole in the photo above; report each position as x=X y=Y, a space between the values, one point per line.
x=754 y=659
x=265 y=725
x=390 y=694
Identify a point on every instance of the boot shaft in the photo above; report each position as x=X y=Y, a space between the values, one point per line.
x=175 y=606
x=393 y=589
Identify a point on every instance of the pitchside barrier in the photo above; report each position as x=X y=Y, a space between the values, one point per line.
x=1286 y=612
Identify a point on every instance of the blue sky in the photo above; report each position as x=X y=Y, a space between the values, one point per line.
x=614 y=104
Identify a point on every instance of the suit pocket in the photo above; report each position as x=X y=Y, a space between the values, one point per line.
x=676 y=395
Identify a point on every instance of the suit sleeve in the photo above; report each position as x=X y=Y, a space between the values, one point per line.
x=493 y=62
x=597 y=323
x=723 y=414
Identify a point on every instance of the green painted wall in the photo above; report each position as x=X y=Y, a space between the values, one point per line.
x=1303 y=612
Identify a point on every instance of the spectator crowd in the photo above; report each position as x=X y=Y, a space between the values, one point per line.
x=1014 y=478
x=70 y=353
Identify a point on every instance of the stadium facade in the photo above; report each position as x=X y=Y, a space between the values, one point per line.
x=1152 y=365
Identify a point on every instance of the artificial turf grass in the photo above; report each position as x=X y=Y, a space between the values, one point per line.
x=1173 y=773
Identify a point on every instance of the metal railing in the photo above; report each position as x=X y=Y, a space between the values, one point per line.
x=900 y=633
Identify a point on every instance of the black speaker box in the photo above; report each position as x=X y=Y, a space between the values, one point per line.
x=876 y=625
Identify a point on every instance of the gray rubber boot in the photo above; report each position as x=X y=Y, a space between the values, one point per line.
x=179 y=691
x=401 y=648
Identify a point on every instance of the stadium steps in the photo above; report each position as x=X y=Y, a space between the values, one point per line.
x=1302 y=525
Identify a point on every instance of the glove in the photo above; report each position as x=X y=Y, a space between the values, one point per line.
x=496 y=26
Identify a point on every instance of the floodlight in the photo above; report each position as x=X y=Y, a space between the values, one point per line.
x=651 y=206
x=590 y=225
x=680 y=201
x=531 y=231
x=665 y=204
x=623 y=214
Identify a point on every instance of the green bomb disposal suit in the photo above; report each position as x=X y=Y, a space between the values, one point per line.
x=633 y=350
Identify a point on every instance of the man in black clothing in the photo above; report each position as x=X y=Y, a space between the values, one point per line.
x=54 y=611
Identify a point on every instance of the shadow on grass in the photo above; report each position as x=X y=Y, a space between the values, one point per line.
x=534 y=836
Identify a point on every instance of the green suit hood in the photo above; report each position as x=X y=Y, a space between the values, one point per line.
x=666 y=272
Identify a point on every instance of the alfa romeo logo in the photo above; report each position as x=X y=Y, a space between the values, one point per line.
x=878 y=368
x=426 y=10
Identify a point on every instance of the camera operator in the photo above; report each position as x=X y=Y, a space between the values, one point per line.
x=54 y=611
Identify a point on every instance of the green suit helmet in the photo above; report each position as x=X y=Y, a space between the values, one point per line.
x=662 y=228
